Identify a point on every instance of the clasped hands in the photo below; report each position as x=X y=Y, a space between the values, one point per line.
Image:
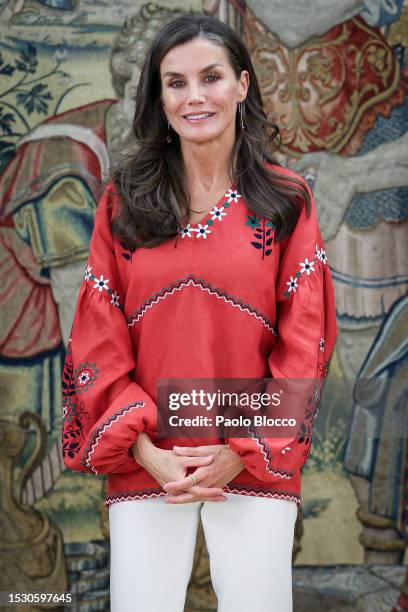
x=216 y=465
x=221 y=465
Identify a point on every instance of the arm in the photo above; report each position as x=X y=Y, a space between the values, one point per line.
x=307 y=330
x=104 y=409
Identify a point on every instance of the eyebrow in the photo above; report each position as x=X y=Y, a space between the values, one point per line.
x=178 y=74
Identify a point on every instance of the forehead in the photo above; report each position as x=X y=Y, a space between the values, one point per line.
x=193 y=56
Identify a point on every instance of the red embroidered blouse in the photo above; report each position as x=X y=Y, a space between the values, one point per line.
x=221 y=300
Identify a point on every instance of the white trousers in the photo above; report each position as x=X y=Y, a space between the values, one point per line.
x=249 y=541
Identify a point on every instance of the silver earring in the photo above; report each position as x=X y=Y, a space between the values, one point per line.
x=168 y=137
x=168 y=132
x=240 y=114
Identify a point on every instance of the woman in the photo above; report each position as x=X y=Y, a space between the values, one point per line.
x=206 y=261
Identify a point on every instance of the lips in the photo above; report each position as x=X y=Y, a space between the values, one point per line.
x=198 y=116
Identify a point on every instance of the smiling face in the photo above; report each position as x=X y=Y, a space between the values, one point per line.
x=200 y=91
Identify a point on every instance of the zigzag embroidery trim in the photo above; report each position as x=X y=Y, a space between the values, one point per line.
x=114 y=418
x=258 y=493
x=191 y=280
x=133 y=495
x=267 y=455
x=306 y=267
x=242 y=490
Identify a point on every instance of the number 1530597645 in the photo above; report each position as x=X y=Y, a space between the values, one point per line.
x=12 y=598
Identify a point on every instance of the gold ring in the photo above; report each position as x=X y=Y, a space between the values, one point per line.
x=194 y=479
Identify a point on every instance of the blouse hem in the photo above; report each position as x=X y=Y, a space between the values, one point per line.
x=235 y=489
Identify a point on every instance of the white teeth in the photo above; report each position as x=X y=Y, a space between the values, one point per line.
x=198 y=116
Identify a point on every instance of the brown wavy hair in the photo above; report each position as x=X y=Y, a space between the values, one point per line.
x=151 y=180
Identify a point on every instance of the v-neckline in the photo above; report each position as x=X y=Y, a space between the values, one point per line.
x=217 y=213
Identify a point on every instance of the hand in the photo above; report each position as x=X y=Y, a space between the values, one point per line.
x=225 y=466
x=166 y=466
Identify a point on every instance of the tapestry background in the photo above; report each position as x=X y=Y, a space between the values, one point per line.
x=334 y=78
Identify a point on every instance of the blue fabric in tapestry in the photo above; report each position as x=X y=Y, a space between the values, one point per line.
x=368 y=209
x=60 y=5
x=379 y=12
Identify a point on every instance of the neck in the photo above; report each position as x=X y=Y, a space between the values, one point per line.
x=207 y=164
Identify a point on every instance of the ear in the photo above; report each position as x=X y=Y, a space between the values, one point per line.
x=243 y=84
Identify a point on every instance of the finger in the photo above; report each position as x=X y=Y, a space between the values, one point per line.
x=182 y=484
x=187 y=498
x=207 y=491
x=180 y=499
x=178 y=485
x=192 y=451
x=186 y=484
x=194 y=461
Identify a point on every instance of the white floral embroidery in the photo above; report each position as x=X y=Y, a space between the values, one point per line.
x=232 y=196
x=186 y=231
x=293 y=285
x=322 y=344
x=101 y=283
x=115 y=298
x=307 y=266
x=218 y=213
x=323 y=256
x=284 y=450
x=202 y=230
x=83 y=378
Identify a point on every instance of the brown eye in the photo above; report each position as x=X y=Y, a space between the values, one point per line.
x=174 y=84
x=213 y=77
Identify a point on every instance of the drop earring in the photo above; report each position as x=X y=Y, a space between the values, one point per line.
x=240 y=114
x=168 y=137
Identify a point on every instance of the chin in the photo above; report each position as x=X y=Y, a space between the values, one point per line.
x=203 y=137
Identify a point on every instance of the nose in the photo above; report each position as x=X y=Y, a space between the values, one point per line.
x=195 y=94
